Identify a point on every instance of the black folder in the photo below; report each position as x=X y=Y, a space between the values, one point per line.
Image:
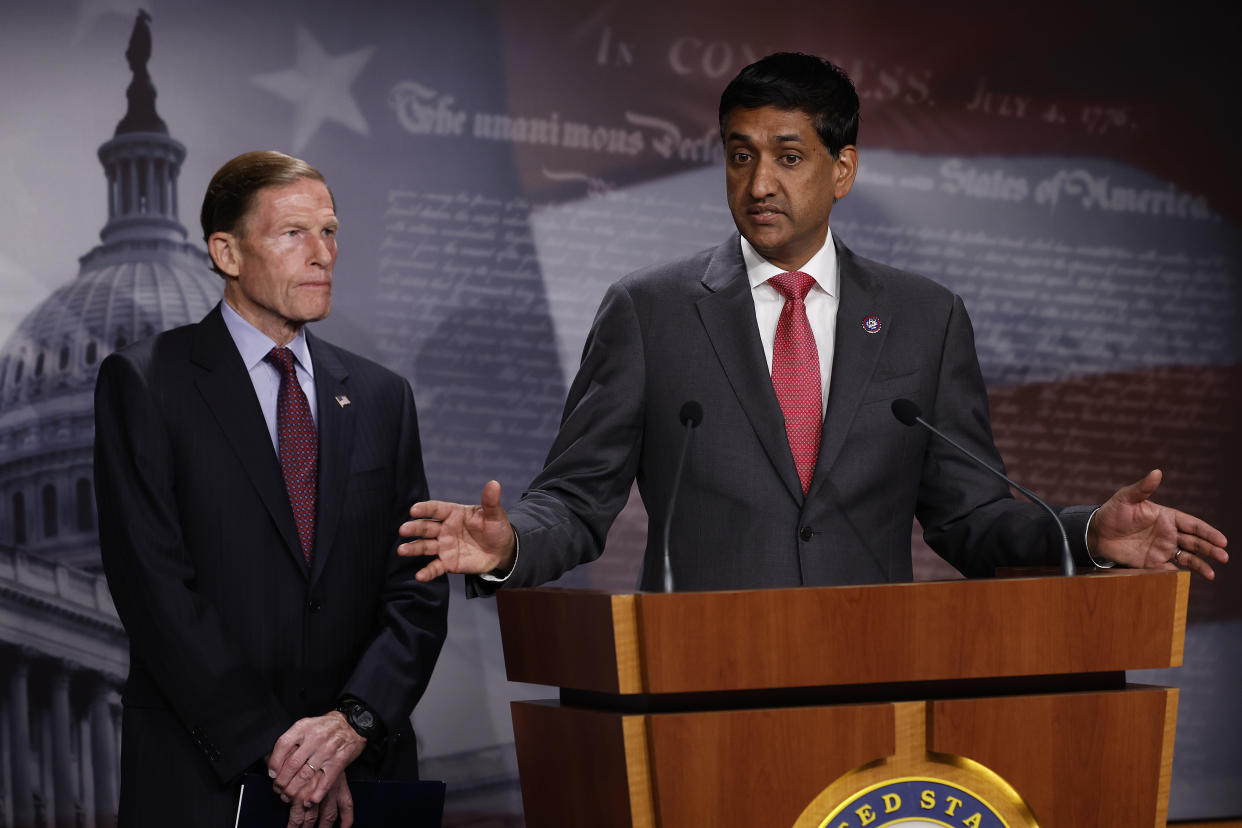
x=384 y=804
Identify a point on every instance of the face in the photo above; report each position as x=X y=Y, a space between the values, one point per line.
x=782 y=181
x=278 y=262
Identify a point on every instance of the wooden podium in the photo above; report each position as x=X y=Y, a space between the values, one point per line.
x=772 y=707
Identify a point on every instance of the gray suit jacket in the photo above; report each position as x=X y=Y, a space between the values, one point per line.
x=686 y=331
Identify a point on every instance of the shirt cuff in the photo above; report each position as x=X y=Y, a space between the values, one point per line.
x=1086 y=534
x=498 y=577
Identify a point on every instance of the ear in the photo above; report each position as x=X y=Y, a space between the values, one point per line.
x=225 y=251
x=846 y=170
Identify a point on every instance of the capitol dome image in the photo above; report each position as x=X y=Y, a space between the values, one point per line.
x=62 y=647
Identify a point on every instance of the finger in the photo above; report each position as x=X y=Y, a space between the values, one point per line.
x=421 y=528
x=325 y=779
x=1203 y=548
x=1143 y=489
x=328 y=812
x=298 y=816
x=490 y=501
x=304 y=777
x=423 y=547
x=288 y=742
x=313 y=781
x=1191 y=525
x=1189 y=560
x=287 y=777
x=434 y=569
x=345 y=803
x=432 y=509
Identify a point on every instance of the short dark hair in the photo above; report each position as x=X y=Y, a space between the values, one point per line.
x=230 y=195
x=812 y=85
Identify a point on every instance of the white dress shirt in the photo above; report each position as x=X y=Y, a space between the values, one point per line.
x=821 y=304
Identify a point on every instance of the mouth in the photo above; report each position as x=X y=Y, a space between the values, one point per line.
x=764 y=213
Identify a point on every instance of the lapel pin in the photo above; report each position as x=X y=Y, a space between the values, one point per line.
x=871 y=324
x=342 y=400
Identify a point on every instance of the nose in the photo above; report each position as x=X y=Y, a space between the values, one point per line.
x=762 y=180
x=323 y=250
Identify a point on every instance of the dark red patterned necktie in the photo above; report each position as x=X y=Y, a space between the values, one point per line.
x=299 y=447
x=795 y=374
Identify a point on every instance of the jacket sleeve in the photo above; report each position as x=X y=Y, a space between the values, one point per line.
x=968 y=514
x=393 y=672
x=563 y=519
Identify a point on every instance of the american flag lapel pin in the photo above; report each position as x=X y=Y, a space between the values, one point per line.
x=342 y=400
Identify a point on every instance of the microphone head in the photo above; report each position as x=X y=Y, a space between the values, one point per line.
x=691 y=414
x=906 y=410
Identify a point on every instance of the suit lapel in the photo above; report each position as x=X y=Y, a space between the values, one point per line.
x=854 y=356
x=228 y=393
x=728 y=315
x=336 y=440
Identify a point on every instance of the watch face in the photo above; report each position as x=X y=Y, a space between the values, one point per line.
x=364 y=719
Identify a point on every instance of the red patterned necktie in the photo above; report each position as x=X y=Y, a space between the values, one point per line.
x=795 y=374
x=299 y=447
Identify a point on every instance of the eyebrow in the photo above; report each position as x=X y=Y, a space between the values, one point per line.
x=776 y=139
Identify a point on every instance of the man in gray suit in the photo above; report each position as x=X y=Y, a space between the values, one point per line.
x=796 y=348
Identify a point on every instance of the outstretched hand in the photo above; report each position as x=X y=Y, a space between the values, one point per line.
x=471 y=540
x=1134 y=531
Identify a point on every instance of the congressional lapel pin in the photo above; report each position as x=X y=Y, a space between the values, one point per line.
x=342 y=400
x=871 y=324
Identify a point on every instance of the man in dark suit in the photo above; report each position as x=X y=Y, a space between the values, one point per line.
x=796 y=349
x=250 y=480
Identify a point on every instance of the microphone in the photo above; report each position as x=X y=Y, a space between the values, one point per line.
x=691 y=415
x=907 y=411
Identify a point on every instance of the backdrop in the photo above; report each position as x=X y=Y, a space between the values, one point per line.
x=1071 y=172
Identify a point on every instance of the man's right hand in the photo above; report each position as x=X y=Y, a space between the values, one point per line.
x=470 y=540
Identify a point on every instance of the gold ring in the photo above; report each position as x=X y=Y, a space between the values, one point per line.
x=1177 y=556
x=312 y=767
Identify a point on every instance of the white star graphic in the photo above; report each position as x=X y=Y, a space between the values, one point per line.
x=318 y=85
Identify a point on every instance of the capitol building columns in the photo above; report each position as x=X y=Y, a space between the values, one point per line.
x=104 y=724
x=58 y=727
x=19 y=786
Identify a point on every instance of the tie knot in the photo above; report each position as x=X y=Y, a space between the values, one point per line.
x=793 y=285
x=282 y=358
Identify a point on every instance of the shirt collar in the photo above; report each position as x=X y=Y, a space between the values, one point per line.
x=254 y=345
x=822 y=267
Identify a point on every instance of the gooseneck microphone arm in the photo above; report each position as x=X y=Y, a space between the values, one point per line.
x=691 y=415
x=907 y=411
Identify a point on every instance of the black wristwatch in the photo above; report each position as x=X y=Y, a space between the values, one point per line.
x=363 y=719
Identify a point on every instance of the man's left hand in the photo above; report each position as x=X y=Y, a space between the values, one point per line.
x=311 y=756
x=1136 y=532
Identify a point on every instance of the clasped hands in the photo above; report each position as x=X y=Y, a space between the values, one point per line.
x=307 y=768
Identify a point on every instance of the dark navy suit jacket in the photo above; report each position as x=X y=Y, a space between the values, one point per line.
x=232 y=638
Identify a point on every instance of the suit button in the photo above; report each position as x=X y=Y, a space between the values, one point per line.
x=313 y=606
x=806 y=533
